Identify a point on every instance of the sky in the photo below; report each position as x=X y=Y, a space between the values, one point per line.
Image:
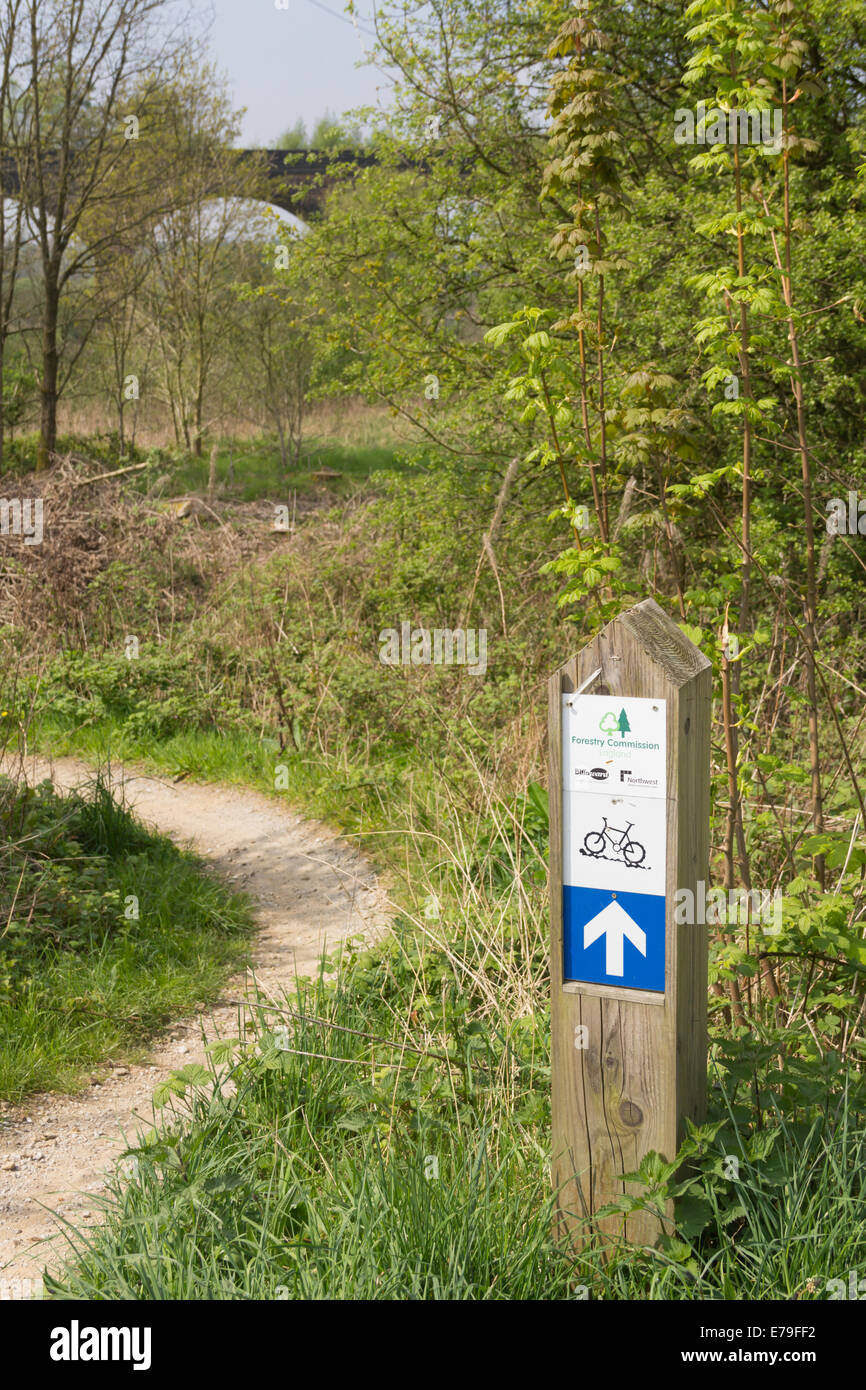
x=295 y=61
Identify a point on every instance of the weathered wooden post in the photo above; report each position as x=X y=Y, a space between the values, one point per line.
x=629 y=828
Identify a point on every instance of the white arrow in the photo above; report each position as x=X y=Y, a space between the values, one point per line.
x=614 y=923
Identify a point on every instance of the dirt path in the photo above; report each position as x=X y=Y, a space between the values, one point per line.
x=309 y=890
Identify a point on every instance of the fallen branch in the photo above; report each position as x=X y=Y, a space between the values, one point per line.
x=82 y=482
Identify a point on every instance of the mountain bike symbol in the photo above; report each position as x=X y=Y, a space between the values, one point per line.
x=630 y=851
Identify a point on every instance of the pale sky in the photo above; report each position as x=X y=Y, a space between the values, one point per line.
x=294 y=61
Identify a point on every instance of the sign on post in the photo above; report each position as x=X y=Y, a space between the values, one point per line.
x=629 y=826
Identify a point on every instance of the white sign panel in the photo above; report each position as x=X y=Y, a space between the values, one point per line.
x=613 y=842
x=613 y=744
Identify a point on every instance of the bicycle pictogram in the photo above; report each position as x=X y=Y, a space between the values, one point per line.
x=620 y=842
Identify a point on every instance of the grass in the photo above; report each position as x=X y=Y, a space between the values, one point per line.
x=82 y=977
x=388 y=1136
x=238 y=757
x=321 y=1178
x=339 y=1167
x=249 y=470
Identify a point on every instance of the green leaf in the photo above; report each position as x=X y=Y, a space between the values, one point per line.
x=193 y=1074
x=693 y=1214
x=166 y=1089
x=497 y=336
x=227 y=1183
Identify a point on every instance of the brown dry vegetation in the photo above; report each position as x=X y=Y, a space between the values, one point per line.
x=345 y=420
x=285 y=627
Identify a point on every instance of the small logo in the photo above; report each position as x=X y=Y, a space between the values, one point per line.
x=598 y=774
x=610 y=723
x=624 y=772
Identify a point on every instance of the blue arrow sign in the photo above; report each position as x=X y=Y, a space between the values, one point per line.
x=614 y=938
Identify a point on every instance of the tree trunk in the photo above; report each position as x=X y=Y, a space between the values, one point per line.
x=211 y=478
x=48 y=417
x=2 y=408
x=284 y=453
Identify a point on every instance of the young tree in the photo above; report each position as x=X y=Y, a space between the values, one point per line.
x=188 y=302
x=279 y=331
x=329 y=133
x=295 y=137
x=69 y=137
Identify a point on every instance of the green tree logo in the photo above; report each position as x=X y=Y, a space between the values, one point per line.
x=610 y=723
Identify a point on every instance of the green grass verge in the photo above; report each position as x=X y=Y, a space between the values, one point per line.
x=336 y=1175
x=321 y=787
x=82 y=977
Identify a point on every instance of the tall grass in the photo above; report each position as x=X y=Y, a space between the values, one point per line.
x=387 y=1135
x=320 y=1178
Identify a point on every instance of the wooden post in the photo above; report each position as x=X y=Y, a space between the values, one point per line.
x=629 y=828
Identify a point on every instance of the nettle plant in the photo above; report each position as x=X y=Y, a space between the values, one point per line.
x=748 y=60
x=625 y=452
x=741 y=67
x=605 y=429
